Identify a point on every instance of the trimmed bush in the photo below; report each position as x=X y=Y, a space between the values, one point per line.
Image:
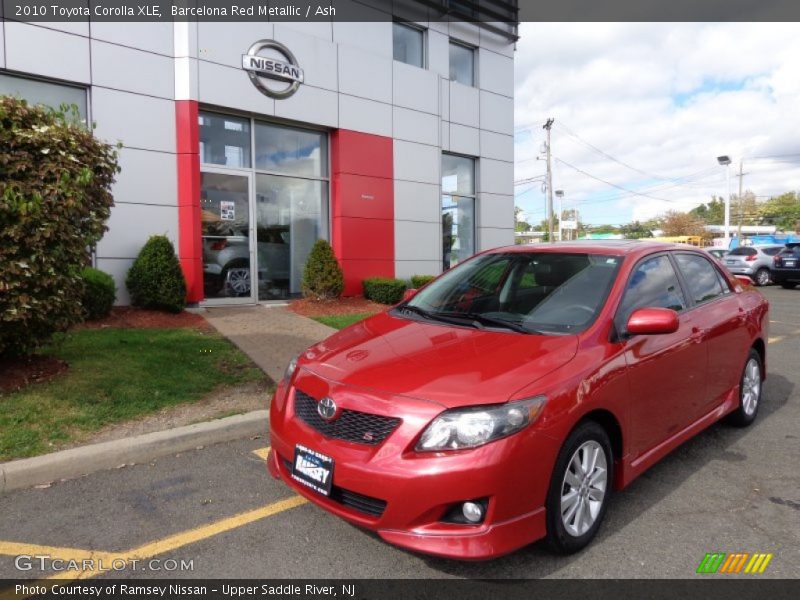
x=55 y=198
x=385 y=291
x=99 y=293
x=155 y=280
x=322 y=277
x=417 y=281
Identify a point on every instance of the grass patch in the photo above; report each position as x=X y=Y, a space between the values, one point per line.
x=116 y=375
x=341 y=321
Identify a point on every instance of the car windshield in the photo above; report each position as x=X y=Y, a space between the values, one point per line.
x=743 y=251
x=526 y=292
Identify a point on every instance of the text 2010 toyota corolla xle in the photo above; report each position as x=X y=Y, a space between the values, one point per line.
x=505 y=400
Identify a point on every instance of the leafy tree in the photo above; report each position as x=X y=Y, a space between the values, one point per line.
x=635 y=231
x=676 y=223
x=520 y=224
x=55 y=199
x=782 y=211
x=711 y=213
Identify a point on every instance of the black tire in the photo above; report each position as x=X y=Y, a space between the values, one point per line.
x=788 y=285
x=746 y=412
x=762 y=277
x=559 y=538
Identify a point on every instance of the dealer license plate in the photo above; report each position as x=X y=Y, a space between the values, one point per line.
x=730 y=262
x=789 y=263
x=313 y=469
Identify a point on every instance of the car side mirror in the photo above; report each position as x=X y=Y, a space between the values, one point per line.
x=653 y=321
x=409 y=294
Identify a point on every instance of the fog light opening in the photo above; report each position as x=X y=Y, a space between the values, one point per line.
x=472 y=511
x=468 y=512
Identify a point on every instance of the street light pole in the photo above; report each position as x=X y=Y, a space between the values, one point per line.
x=547 y=126
x=560 y=196
x=726 y=161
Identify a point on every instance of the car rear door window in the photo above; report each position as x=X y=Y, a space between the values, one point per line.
x=772 y=251
x=653 y=284
x=701 y=277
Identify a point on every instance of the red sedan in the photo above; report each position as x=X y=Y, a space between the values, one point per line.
x=504 y=401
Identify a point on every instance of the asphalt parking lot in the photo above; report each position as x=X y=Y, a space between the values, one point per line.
x=218 y=511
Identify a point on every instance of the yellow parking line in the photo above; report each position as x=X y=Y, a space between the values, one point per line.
x=191 y=536
x=262 y=453
x=54 y=552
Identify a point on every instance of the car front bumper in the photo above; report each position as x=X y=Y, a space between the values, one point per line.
x=416 y=490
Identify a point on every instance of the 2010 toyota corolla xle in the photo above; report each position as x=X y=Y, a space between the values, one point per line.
x=504 y=401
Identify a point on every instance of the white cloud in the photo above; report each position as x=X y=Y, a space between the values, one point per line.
x=666 y=99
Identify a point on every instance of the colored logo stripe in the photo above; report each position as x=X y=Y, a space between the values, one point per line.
x=720 y=562
x=711 y=562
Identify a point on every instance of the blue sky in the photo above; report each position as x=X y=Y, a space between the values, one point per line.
x=642 y=111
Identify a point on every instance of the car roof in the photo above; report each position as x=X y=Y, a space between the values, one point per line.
x=612 y=247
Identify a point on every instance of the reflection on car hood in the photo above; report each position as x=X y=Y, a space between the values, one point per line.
x=453 y=366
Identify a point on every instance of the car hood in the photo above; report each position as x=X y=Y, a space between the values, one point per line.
x=453 y=366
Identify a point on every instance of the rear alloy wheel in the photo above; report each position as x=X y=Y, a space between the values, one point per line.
x=579 y=488
x=750 y=387
x=762 y=277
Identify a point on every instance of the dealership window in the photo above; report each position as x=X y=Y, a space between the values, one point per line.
x=409 y=44
x=279 y=200
x=458 y=209
x=462 y=63
x=224 y=140
x=50 y=94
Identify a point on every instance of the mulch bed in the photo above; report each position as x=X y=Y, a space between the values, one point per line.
x=129 y=317
x=342 y=306
x=16 y=373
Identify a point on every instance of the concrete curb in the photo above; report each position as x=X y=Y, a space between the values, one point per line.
x=75 y=462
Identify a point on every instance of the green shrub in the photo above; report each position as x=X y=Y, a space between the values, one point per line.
x=385 y=291
x=417 y=281
x=55 y=198
x=155 y=280
x=322 y=277
x=99 y=293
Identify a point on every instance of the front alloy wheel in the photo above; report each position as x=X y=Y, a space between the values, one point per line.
x=584 y=488
x=579 y=488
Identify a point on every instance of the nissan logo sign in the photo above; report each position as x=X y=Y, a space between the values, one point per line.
x=327 y=408
x=262 y=69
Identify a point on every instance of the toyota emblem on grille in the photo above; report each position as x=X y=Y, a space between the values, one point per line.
x=326 y=408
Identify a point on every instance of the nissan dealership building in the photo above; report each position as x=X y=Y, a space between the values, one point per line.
x=245 y=142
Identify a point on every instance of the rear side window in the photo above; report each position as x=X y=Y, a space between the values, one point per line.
x=653 y=284
x=743 y=251
x=701 y=277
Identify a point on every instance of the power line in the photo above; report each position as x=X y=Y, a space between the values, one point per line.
x=614 y=185
x=571 y=133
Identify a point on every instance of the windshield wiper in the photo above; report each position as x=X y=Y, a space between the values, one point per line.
x=487 y=320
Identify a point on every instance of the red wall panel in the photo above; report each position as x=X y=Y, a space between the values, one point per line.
x=190 y=240
x=362 y=206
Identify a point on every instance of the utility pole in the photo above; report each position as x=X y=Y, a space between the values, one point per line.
x=547 y=126
x=741 y=175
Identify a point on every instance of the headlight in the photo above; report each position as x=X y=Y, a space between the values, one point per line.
x=290 y=369
x=470 y=427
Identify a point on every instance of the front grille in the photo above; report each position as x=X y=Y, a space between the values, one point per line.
x=368 y=505
x=351 y=425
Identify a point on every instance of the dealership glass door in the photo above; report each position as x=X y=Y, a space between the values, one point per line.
x=264 y=202
x=227 y=249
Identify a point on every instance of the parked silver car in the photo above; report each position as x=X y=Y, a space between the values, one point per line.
x=753 y=261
